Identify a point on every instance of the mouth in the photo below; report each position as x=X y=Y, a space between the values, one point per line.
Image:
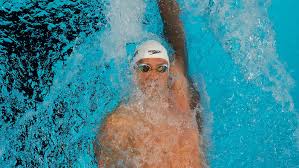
x=152 y=84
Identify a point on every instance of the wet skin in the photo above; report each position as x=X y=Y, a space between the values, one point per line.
x=121 y=131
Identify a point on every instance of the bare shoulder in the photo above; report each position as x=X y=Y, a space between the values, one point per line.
x=112 y=137
x=113 y=133
x=117 y=121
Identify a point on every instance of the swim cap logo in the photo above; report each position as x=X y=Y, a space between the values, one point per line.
x=152 y=52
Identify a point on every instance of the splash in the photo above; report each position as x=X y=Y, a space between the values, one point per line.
x=58 y=129
x=155 y=128
x=91 y=83
x=245 y=32
x=125 y=20
x=125 y=27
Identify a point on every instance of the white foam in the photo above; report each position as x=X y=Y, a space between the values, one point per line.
x=246 y=33
x=125 y=20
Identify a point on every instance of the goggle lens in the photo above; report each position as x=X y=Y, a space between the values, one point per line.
x=162 y=68
x=146 y=68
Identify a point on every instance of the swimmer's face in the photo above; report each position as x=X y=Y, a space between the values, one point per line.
x=154 y=78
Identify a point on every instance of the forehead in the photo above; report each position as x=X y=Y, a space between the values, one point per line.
x=152 y=61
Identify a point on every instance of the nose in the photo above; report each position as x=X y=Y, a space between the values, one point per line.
x=153 y=75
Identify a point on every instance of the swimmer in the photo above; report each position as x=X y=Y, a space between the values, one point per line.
x=158 y=127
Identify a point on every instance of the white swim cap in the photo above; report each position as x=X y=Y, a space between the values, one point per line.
x=151 y=49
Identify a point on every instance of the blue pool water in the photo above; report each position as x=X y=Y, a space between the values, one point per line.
x=64 y=67
x=249 y=127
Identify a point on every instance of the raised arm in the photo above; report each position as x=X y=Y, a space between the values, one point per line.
x=174 y=33
x=173 y=30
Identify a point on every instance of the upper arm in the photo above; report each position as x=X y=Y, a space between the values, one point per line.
x=185 y=91
x=173 y=30
x=179 y=88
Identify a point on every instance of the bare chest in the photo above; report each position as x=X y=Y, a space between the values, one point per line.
x=162 y=145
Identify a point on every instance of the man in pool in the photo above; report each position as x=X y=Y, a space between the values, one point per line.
x=159 y=126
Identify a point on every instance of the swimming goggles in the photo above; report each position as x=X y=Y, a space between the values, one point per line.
x=146 y=68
